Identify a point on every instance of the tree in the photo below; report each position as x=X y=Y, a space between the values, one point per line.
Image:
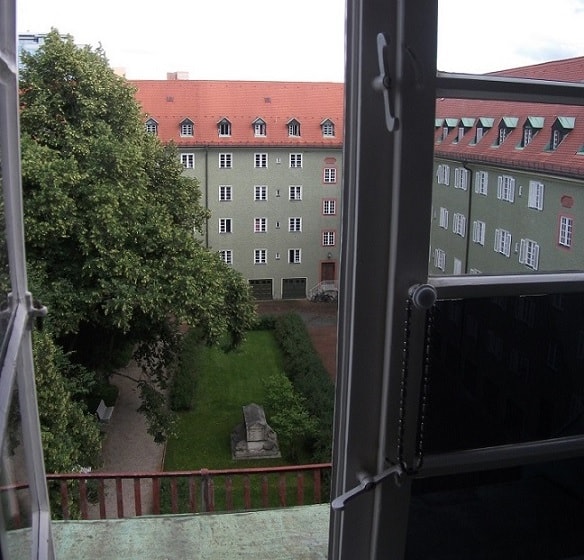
x=111 y=222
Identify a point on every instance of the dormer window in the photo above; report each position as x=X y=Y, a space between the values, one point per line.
x=506 y=126
x=187 y=127
x=328 y=128
x=447 y=126
x=224 y=127
x=560 y=130
x=531 y=127
x=293 y=128
x=259 y=127
x=483 y=125
x=151 y=126
x=464 y=125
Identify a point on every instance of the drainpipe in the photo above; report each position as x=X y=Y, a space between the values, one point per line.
x=207 y=195
x=468 y=229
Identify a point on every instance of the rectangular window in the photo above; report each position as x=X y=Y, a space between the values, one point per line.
x=294 y=224
x=295 y=256
x=535 y=195
x=443 y=218
x=502 y=242
x=225 y=225
x=260 y=225
x=294 y=129
x=188 y=161
x=328 y=129
x=260 y=256
x=459 y=224
x=186 y=129
x=225 y=161
x=224 y=128
x=529 y=253
x=295 y=192
x=226 y=256
x=328 y=238
x=481 y=182
x=295 y=160
x=439 y=259
x=443 y=174
x=260 y=160
x=259 y=129
x=260 y=192
x=457 y=268
x=506 y=188
x=461 y=178
x=330 y=175
x=478 y=232
x=329 y=207
x=566 y=226
x=225 y=193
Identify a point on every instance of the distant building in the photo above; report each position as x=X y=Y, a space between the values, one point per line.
x=508 y=193
x=268 y=156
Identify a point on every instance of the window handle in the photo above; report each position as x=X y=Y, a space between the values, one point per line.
x=366 y=483
x=383 y=84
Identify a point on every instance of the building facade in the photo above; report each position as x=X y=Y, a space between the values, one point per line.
x=268 y=158
x=508 y=178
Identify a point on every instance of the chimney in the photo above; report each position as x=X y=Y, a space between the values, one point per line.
x=177 y=75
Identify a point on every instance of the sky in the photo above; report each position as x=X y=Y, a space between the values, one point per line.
x=296 y=41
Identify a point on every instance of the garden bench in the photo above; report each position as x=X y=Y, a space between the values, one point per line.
x=104 y=413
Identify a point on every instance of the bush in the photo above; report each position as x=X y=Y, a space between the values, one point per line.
x=264 y=323
x=304 y=368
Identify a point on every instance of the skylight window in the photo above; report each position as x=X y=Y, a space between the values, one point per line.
x=560 y=129
x=531 y=127
x=328 y=128
x=187 y=127
x=293 y=128
x=259 y=127
x=224 y=127
x=506 y=126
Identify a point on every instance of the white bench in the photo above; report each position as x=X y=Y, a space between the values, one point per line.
x=104 y=413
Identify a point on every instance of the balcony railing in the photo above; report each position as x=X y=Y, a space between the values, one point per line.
x=129 y=494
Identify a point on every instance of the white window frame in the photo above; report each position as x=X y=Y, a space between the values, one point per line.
x=478 y=232
x=260 y=225
x=226 y=255
x=502 y=242
x=260 y=256
x=260 y=193
x=565 y=233
x=188 y=160
x=457 y=266
x=295 y=160
x=151 y=127
x=330 y=175
x=529 y=253
x=295 y=224
x=443 y=174
x=536 y=193
x=187 y=129
x=224 y=128
x=294 y=256
x=294 y=129
x=440 y=259
x=328 y=238
x=329 y=207
x=225 y=160
x=459 y=224
x=328 y=129
x=260 y=160
x=482 y=182
x=461 y=176
x=259 y=129
x=225 y=193
x=506 y=188
x=225 y=225
x=295 y=193
x=443 y=220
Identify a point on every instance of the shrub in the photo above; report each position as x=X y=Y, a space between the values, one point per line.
x=182 y=390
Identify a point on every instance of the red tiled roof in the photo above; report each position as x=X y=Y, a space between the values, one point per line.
x=565 y=160
x=207 y=102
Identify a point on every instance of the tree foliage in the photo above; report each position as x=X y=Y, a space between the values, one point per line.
x=111 y=221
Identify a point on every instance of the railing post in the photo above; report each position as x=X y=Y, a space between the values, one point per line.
x=229 y=494
x=207 y=491
x=192 y=494
x=83 y=498
x=317 y=489
x=265 y=502
x=137 y=497
x=246 y=492
x=155 y=495
x=120 y=497
x=300 y=489
x=101 y=497
x=64 y=500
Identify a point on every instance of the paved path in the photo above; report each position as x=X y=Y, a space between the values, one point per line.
x=128 y=447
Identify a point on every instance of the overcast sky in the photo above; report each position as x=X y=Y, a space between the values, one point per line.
x=298 y=41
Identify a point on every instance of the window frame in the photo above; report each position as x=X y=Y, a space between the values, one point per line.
x=536 y=195
x=225 y=193
x=296 y=160
x=329 y=206
x=225 y=225
x=260 y=225
x=225 y=160
x=295 y=224
x=260 y=160
x=329 y=175
x=295 y=256
x=260 y=256
x=295 y=193
x=226 y=255
x=565 y=231
x=260 y=193
x=187 y=160
x=328 y=238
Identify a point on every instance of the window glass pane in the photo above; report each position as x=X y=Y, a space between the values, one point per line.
x=5 y=318
x=506 y=370
x=14 y=492
x=525 y=512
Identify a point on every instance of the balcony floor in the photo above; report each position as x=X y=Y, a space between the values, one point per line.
x=298 y=533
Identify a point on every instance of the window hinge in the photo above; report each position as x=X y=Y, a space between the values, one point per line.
x=366 y=483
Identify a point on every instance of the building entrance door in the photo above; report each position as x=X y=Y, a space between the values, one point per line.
x=327 y=271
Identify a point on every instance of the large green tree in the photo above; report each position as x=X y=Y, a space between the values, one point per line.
x=112 y=224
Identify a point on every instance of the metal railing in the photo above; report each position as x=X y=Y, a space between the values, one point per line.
x=129 y=494
x=329 y=287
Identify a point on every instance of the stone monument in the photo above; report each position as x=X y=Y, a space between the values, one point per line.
x=254 y=439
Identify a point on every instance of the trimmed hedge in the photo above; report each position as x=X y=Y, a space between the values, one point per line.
x=304 y=368
x=182 y=389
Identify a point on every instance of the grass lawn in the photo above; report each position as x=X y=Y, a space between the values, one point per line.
x=225 y=383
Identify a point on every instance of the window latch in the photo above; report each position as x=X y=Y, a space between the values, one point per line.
x=383 y=83
x=366 y=483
